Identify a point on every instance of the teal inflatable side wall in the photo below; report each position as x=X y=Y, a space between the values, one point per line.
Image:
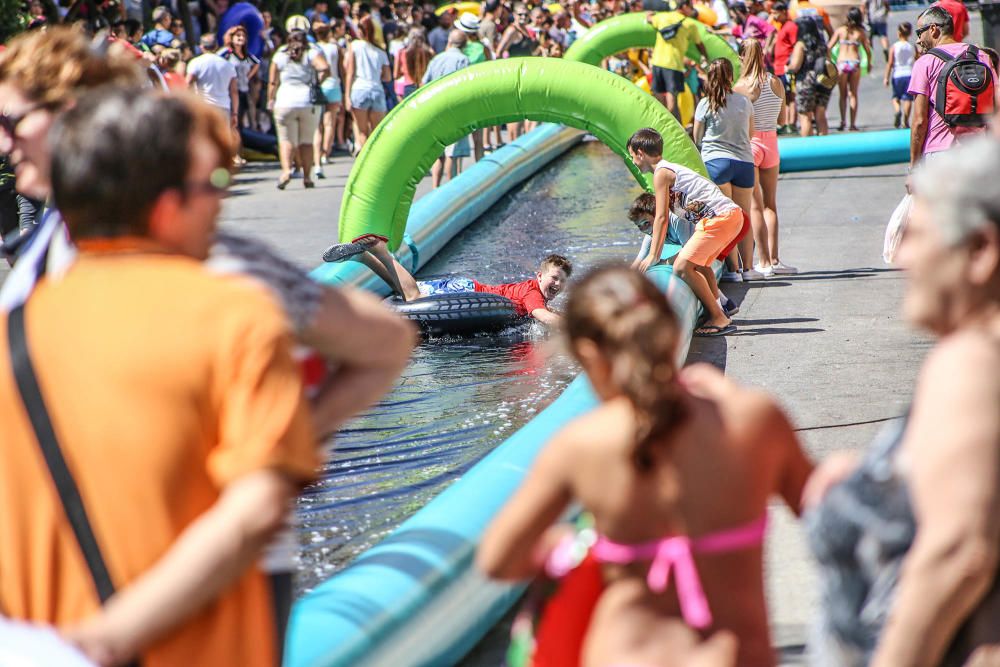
x=381 y=185
x=842 y=151
x=630 y=31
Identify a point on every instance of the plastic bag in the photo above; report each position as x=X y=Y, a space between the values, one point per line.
x=896 y=227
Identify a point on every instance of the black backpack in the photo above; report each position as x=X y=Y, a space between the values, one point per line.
x=964 y=90
x=668 y=32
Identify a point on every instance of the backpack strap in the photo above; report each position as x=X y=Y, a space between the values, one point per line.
x=941 y=54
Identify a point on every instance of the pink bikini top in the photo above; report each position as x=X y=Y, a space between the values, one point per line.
x=678 y=552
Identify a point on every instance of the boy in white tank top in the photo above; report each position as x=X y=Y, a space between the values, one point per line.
x=692 y=197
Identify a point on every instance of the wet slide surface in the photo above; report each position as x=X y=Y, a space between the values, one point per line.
x=458 y=399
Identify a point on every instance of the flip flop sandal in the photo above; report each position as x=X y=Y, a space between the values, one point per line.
x=711 y=330
x=338 y=252
x=368 y=240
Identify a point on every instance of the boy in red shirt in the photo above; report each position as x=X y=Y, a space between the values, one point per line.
x=530 y=296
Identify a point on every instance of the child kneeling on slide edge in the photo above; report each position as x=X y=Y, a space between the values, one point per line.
x=531 y=296
x=692 y=197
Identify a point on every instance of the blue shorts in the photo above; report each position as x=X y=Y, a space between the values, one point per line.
x=724 y=170
x=899 y=87
x=368 y=99
x=445 y=286
x=331 y=90
x=879 y=28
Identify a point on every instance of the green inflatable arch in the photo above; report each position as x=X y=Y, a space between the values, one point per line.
x=630 y=31
x=382 y=183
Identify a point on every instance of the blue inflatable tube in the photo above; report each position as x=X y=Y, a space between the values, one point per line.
x=248 y=16
x=416 y=598
x=842 y=151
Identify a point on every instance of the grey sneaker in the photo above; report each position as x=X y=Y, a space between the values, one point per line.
x=782 y=269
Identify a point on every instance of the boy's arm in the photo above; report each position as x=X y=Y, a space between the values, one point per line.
x=663 y=180
x=546 y=317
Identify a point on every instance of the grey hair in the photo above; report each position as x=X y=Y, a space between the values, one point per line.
x=962 y=188
x=939 y=17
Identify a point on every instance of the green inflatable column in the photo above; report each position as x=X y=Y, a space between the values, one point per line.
x=382 y=183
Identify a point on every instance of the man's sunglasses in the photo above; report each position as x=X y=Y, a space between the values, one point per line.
x=921 y=31
x=217 y=184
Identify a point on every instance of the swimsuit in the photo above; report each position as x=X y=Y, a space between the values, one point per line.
x=677 y=552
x=848 y=66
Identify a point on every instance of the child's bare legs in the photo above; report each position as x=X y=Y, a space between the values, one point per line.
x=907 y=106
x=702 y=289
x=400 y=279
x=853 y=80
x=437 y=169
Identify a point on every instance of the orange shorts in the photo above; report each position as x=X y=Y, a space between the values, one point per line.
x=712 y=236
x=744 y=230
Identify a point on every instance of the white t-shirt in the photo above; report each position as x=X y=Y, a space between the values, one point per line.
x=332 y=53
x=903 y=56
x=294 y=79
x=212 y=74
x=693 y=197
x=368 y=63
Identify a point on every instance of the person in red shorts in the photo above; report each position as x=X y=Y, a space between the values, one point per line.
x=530 y=297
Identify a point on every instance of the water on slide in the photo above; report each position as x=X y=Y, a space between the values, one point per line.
x=459 y=399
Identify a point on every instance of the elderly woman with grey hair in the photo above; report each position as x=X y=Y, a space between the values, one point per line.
x=908 y=537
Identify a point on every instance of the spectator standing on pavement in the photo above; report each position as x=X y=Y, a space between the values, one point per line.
x=328 y=129
x=138 y=179
x=853 y=47
x=767 y=95
x=477 y=52
x=411 y=62
x=295 y=68
x=449 y=61
x=877 y=15
x=898 y=70
x=366 y=67
x=214 y=78
x=812 y=82
x=781 y=52
x=438 y=37
x=160 y=35
x=247 y=65
x=929 y=133
x=675 y=30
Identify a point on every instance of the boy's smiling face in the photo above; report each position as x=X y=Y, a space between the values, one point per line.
x=551 y=281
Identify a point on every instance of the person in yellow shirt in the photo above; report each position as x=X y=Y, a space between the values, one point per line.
x=675 y=31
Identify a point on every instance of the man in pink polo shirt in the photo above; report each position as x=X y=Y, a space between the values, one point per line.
x=929 y=132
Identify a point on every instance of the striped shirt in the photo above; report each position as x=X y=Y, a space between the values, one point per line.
x=766 y=108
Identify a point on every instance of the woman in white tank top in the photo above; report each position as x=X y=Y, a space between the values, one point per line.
x=768 y=97
x=899 y=68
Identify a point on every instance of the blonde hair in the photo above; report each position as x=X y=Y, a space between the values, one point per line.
x=54 y=66
x=752 y=63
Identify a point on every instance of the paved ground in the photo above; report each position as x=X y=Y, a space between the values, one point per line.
x=829 y=342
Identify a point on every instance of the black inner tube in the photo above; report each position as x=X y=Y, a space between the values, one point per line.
x=459 y=314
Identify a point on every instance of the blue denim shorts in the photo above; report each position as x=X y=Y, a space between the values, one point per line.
x=726 y=170
x=899 y=87
x=368 y=99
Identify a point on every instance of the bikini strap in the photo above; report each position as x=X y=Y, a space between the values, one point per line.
x=748 y=535
x=669 y=553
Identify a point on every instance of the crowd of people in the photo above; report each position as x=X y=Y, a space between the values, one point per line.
x=178 y=553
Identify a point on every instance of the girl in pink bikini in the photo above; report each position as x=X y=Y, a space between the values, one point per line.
x=676 y=466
